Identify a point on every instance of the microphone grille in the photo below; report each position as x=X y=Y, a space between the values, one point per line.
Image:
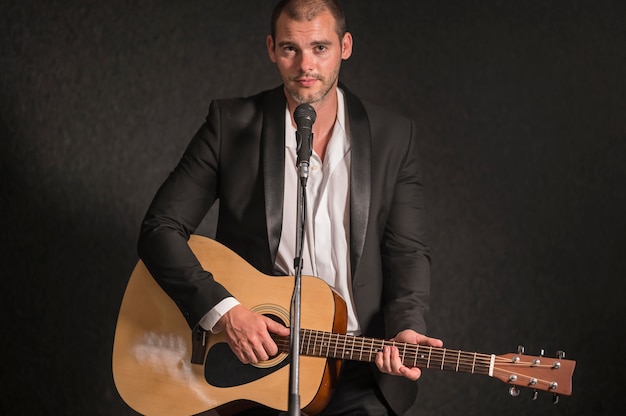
x=304 y=115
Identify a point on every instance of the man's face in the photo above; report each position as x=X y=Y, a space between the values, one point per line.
x=308 y=56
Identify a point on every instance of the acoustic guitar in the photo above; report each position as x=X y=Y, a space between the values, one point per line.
x=161 y=367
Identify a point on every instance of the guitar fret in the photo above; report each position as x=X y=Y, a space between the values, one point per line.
x=342 y=349
x=474 y=363
x=330 y=336
x=307 y=339
x=458 y=361
x=315 y=343
x=351 y=347
x=362 y=348
x=311 y=339
x=319 y=343
x=443 y=358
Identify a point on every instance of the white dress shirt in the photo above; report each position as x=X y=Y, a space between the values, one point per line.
x=326 y=248
x=326 y=251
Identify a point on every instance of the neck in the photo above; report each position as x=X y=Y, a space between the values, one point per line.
x=326 y=115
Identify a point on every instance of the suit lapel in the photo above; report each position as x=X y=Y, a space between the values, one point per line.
x=273 y=153
x=360 y=176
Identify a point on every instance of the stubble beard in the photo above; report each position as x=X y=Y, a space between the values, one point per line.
x=320 y=95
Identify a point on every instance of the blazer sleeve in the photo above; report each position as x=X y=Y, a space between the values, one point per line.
x=404 y=252
x=177 y=209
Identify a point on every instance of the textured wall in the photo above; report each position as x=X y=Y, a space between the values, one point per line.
x=522 y=107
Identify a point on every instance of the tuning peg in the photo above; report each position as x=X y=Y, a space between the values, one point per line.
x=535 y=394
x=513 y=391
x=541 y=352
x=560 y=355
x=520 y=349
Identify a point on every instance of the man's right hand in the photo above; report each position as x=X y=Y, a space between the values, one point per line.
x=248 y=334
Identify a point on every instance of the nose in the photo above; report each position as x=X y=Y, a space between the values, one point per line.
x=307 y=60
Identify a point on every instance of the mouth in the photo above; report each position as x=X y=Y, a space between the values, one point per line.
x=308 y=81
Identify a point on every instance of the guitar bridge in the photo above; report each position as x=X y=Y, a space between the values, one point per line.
x=198 y=345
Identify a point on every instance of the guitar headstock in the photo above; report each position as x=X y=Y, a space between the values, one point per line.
x=539 y=373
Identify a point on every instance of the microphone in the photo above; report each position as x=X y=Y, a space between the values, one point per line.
x=304 y=116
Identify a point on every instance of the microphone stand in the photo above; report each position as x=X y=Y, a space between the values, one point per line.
x=294 y=345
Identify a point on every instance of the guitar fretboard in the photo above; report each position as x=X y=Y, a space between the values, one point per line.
x=349 y=347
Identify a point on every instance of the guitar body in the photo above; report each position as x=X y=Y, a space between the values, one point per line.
x=152 y=350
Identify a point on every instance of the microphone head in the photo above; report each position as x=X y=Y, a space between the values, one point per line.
x=304 y=116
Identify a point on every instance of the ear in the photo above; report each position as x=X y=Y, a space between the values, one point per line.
x=346 y=46
x=270 y=48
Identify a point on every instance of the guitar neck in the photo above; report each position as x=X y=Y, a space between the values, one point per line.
x=539 y=373
x=348 y=347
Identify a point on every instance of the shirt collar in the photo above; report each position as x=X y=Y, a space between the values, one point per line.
x=290 y=130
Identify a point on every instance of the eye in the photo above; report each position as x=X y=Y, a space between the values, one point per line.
x=320 y=48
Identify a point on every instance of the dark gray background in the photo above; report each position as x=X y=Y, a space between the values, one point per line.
x=522 y=109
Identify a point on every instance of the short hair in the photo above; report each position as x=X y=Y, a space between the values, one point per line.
x=302 y=10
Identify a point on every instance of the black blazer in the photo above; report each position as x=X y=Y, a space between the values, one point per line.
x=238 y=157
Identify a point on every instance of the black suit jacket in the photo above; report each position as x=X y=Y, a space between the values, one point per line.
x=238 y=157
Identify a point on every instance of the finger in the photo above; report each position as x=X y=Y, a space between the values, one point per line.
x=275 y=327
x=382 y=360
x=386 y=359
x=247 y=350
x=412 y=373
x=436 y=342
x=395 y=362
x=432 y=342
x=379 y=360
x=260 y=354
x=240 y=354
x=250 y=355
x=270 y=347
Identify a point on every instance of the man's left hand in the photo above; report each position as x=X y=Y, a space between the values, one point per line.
x=389 y=361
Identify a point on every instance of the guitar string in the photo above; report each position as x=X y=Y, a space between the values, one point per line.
x=369 y=347
x=539 y=381
x=342 y=341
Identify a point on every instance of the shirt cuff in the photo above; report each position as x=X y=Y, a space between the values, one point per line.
x=209 y=321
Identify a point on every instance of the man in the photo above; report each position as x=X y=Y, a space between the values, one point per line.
x=365 y=228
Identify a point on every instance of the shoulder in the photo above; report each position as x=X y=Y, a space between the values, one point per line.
x=376 y=115
x=383 y=116
x=241 y=108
